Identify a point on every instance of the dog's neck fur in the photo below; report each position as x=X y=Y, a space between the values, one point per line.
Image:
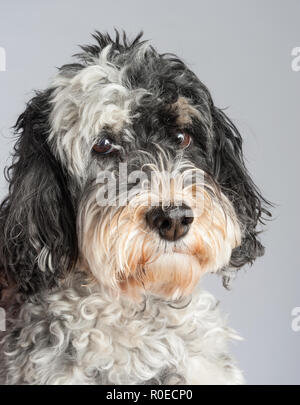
x=81 y=334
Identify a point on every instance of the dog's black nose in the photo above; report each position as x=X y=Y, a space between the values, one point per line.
x=172 y=223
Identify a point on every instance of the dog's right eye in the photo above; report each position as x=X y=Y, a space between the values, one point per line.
x=104 y=146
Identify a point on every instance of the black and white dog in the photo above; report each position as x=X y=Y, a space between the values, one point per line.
x=127 y=185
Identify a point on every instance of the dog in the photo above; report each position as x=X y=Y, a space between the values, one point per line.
x=127 y=185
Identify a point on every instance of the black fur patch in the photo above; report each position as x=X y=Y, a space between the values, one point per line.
x=38 y=212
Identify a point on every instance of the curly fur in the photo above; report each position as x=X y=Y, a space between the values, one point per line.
x=83 y=334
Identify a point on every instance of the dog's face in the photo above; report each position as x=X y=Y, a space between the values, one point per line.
x=126 y=168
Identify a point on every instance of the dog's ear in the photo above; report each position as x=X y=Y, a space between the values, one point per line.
x=37 y=218
x=231 y=174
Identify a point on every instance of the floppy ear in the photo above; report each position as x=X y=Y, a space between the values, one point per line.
x=236 y=183
x=37 y=218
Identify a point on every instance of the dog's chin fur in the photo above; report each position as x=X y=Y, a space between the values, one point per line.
x=170 y=276
x=82 y=333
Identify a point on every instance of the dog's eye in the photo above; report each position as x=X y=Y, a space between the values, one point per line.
x=183 y=140
x=104 y=146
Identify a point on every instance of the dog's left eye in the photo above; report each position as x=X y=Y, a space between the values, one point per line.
x=183 y=140
x=104 y=146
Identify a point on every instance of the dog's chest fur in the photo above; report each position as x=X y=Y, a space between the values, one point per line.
x=83 y=335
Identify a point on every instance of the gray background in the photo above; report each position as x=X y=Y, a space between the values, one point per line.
x=242 y=51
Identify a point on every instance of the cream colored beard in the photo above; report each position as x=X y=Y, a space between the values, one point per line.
x=123 y=254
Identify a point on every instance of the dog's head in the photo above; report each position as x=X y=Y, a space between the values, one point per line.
x=125 y=168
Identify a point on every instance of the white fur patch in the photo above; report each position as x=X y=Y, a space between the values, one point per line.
x=88 y=335
x=84 y=103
